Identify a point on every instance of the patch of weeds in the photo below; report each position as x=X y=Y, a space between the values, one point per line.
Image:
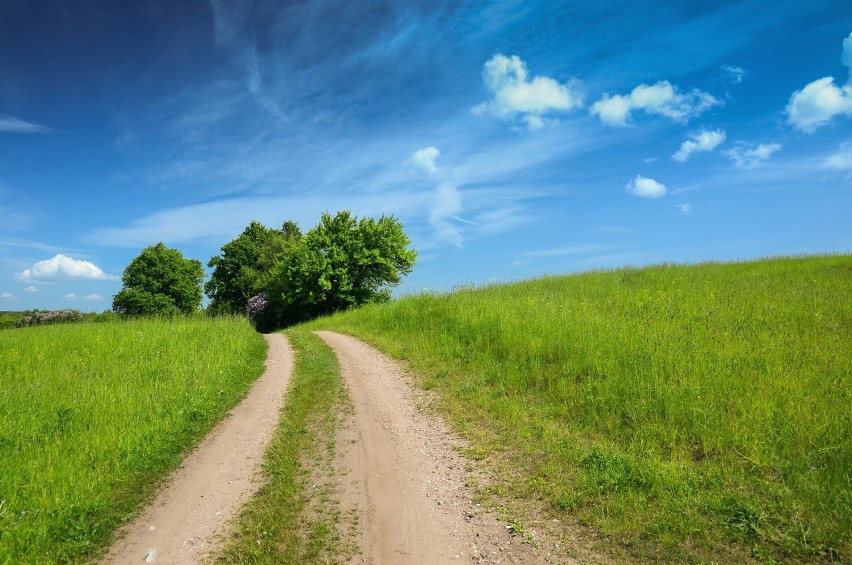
x=609 y=471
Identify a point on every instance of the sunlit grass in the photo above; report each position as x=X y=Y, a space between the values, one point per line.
x=92 y=416
x=678 y=410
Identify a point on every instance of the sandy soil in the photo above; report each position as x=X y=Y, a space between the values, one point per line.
x=399 y=472
x=189 y=516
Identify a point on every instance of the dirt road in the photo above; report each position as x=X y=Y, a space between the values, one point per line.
x=183 y=523
x=402 y=476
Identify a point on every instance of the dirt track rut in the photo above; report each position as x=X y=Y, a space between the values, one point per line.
x=185 y=521
x=402 y=476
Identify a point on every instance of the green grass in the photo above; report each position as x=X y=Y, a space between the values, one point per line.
x=92 y=417
x=294 y=517
x=680 y=412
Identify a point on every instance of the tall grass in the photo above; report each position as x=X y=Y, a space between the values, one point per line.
x=93 y=415
x=682 y=411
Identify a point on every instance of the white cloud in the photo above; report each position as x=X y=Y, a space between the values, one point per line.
x=93 y=297
x=516 y=97
x=426 y=157
x=818 y=103
x=31 y=288
x=10 y=124
x=661 y=98
x=842 y=159
x=745 y=158
x=7 y=295
x=61 y=267
x=684 y=208
x=821 y=100
x=733 y=74
x=71 y=296
x=447 y=205
x=645 y=187
x=703 y=141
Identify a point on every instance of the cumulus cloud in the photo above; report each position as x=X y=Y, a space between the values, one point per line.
x=10 y=124
x=7 y=295
x=447 y=205
x=518 y=98
x=747 y=157
x=425 y=158
x=31 y=288
x=646 y=188
x=93 y=297
x=61 y=267
x=842 y=159
x=820 y=101
x=702 y=141
x=70 y=296
x=662 y=98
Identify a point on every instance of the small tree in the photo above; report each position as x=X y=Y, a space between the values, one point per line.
x=342 y=262
x=160 y=281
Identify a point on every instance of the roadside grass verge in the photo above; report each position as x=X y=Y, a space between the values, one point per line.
x=294 y=517
x=94 y=416
x=683 y=413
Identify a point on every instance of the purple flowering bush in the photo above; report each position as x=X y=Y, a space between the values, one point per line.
x=51 y=317
x=259 y=312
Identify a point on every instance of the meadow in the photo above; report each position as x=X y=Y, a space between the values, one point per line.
x=685 y=413
x=93 y=416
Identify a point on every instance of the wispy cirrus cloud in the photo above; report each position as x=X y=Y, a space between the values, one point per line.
x=11 y=124
x=732 y=73
x=662 y=98
x=517 y=97
x=234 y=32
x=746 y=156
x=60 y=267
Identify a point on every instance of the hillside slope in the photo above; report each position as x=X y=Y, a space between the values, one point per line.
x=678 y=411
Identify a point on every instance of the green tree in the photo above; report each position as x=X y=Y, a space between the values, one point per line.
x=241 y=270
x=160 y=281
x=342 y=262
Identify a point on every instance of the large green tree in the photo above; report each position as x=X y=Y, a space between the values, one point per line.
x=160 y=281
x=242 y=268
x=342 y=262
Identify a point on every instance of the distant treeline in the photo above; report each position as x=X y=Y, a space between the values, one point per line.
x=24 y=318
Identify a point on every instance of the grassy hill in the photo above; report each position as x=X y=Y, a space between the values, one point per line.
x=674 y=412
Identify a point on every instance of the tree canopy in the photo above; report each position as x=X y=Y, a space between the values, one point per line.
x=340 y=263
x=280 y=277
x=160 y=281
x=241 y=270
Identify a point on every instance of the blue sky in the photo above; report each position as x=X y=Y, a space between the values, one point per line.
x=512 y=139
